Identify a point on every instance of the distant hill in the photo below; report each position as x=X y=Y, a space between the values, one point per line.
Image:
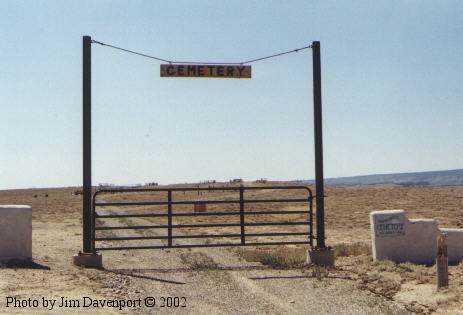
x=434 y=178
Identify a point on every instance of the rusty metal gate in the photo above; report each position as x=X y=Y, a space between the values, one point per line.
x=246 y=201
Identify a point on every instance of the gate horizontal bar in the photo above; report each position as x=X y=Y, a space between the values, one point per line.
x=130 y=238
x=183 y=214
x=160 y=203
x=195 y=225
x=202 y=245
x=237 y=188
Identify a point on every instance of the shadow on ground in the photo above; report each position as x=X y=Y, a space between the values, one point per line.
x=23 y=264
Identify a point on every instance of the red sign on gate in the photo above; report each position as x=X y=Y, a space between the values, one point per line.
x=200 y=207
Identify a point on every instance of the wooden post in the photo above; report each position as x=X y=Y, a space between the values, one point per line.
x=442 y=261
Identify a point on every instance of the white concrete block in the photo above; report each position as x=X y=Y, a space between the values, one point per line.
x=395 y=237
x=454 y=244
x=421 y=235
x=15 y=232
x=386 y=238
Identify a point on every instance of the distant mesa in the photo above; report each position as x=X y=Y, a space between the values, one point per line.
x=417 y=179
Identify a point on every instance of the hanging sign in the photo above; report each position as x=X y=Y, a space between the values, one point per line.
x=206 y=71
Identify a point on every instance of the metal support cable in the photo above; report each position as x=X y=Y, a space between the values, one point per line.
x=198 y=62
x=131 y=51
x=277 y=55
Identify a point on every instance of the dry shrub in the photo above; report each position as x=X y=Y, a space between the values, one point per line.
x=319 y=272
x=198 y=261
x=385 y=265
x=408 y=267
x=422 y=277
x=277 y=258
x=379 y=283
x=354 y=249
x=446 y=300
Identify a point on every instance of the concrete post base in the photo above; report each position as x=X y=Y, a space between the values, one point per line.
x=88 y=260
x=321 y=257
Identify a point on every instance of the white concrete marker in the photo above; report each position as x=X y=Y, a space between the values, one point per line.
x=15 y=232
x=397 y=238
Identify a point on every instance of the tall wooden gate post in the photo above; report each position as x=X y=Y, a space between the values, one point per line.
x=321 y=255
x=88 y=257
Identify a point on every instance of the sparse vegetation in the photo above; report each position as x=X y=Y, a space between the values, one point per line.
x=355 y=249
x=277 y=258
x=319 y=272
x=198 y=261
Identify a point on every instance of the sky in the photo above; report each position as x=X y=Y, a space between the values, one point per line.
x=392 y=77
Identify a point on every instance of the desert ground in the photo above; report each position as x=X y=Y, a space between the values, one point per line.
x=230 y=280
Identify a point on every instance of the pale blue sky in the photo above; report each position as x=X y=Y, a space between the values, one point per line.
x=392 y=90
